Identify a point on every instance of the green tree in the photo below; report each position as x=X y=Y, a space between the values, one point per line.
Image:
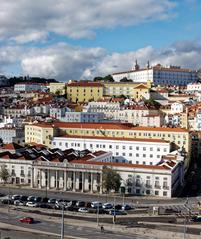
x=1 y=142
x=4 y=174
x=111 y=180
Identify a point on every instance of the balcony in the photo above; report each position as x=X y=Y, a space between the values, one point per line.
x=166 y=187
x=157 y=186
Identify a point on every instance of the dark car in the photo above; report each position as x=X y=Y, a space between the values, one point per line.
x=117 y=207
x=196 y=219
x=80 y=204
x=23 y=198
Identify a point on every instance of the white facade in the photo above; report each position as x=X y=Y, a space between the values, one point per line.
x=177 y=107
x=83 y=117
x=160 y=75
x=193 y=87
x=11 y=134
x=162 y=180
x=27 y=87
x=134 y=151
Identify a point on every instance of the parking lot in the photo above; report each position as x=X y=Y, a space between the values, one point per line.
x=80 y=206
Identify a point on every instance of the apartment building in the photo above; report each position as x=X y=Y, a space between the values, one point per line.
x=59 y=87
x=43 y=133
x=194 y=87
x=84 y=91
x=134 y=151
x=25 y=87
x=12 y=134
x=83 y=117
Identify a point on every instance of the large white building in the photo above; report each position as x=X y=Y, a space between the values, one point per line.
x=159 y=75
x=26 y=87
x=134 y=151
x=194 y=87
x=85 y=174
x=83 y=117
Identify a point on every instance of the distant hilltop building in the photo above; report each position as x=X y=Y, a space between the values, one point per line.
x=159 y=75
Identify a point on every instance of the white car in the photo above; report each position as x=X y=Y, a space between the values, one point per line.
x=31 y=204
x=19 y=203
x=83 y=209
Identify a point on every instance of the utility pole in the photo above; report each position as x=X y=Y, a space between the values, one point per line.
x=114 y=216
x=98 y=212
x=62 y=223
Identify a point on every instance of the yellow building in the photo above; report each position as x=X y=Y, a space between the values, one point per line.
x=59 y=88
x=180 y=138
x=124 y=88
x=141 y=92
x=84 y=91
x=40 y=134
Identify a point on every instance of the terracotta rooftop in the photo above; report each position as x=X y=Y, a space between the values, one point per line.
x=107 y=126
x=115 y=138
x=85 y=84
x=125 y=165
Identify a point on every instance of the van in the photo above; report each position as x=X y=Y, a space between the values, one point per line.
x=96 y=205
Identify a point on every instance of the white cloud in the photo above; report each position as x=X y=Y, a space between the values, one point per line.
x=64 y=62
x=24 y=20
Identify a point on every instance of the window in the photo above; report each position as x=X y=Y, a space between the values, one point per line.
x=137 y=148
x=137 y=191
x=117 y=146
x=151 y=149
x=130 y=147
x=151 y=155
x=144 y=148
x=158 y=149
x=123 y=147
x=144 y=155
x=144 y=162
x=130 y=154
x=123 y=154
x=164 y=193
x=156 y=193
x=137 y=162
x=147 y=191
x=110 y=146
x=137 y=155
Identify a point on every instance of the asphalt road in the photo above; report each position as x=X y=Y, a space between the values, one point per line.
x=69 y=230
x=94 y=197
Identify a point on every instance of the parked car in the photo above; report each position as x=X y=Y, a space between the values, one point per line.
x=7 y=201
x=19 y=203
x=37 y=199
x=117 y=212
x=196 y=218
x=31 y=199
x=27 y=220
x=126 y=207
x=117 y=207
x=80 y=204
x=52 y=200
x=107 y=206
x=15 y=197
x=23 y=198
x=83 y=209
x=31 y=204
x=72 y=203
x=96 y=205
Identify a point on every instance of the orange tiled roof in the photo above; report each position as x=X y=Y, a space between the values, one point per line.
x=85 y=84
x=126 y=165
x=107 y=126
x=116 y=138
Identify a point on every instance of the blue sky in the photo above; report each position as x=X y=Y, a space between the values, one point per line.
x=81 y=39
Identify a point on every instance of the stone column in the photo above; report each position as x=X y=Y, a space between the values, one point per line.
x=40 y=178
x=92 y=183
x=48 y=179
x=101 y=183
x=32 y=177
x=56 y=181
x=64 y=182
x=83 y=181
x=74 y=181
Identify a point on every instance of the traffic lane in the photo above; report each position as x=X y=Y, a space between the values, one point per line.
x=90 y=197
x=71 y=230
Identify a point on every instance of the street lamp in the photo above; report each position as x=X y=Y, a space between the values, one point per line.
x=62 y=222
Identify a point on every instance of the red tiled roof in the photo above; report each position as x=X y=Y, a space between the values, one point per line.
x=116 y=138
x=85 y=84
x=126 y=165
x=107 y=126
